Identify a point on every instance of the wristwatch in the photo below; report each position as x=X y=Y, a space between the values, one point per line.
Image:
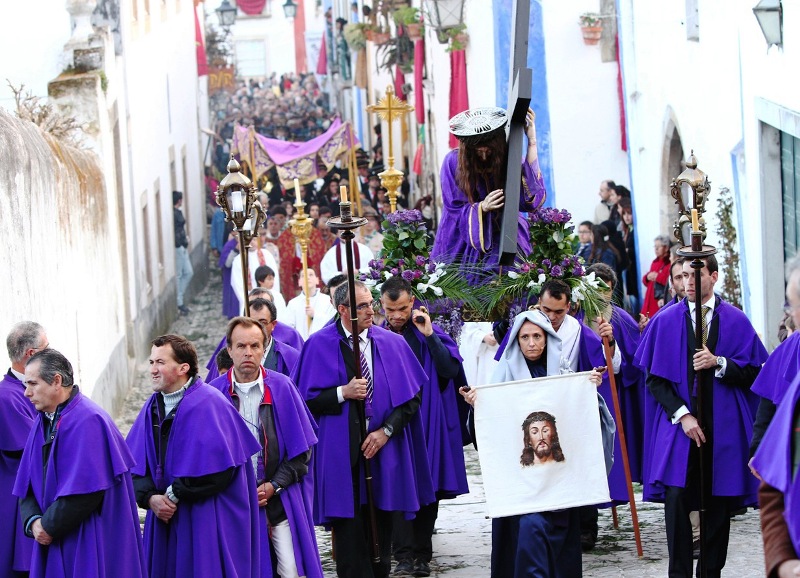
x=388 y=430
x=171 y=495
x=720 y=361
x=277 y=487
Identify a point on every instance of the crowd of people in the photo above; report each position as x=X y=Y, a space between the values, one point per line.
x=316 y=411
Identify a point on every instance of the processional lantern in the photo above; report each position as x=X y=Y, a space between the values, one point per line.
x=769 y=14
x=236 y=196
x=444 y=15
x=690 y=191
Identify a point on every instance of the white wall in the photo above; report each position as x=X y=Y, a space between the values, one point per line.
x=584 y=111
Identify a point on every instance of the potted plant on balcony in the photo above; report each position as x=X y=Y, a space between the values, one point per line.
x=409 y=18
x=458 y=38
x=591 y=27
x=356 y=36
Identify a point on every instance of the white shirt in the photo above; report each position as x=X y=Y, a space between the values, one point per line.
x=250 y=396
x=296 y=313
x=17 y=374
x=570 y=334
x=720 y=372
x=328 y=266
x=252 y=264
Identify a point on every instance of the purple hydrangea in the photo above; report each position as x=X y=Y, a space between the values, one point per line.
x=540 y=271
x=431 y=267
x=420 y=260
x=546 y=262
x=408 y=275
x=398 y=217
x=577 y=271
x=375 y=274
x=394 y=271
x=401 y=262
x=556 y=271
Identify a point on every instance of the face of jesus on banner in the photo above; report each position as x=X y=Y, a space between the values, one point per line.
x=540 y=437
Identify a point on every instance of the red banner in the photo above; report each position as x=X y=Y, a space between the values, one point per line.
x=251 y=7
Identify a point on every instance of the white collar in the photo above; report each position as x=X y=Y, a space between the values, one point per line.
x=244 y=386
x=363 y=335
x=710 y=304
x=17 y=374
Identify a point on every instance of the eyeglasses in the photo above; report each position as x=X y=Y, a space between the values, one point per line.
x=363 y=306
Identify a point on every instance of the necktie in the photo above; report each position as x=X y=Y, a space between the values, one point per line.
x=704 y=323
x=365 y=373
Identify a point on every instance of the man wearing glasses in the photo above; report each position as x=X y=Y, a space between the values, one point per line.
x=394 y=445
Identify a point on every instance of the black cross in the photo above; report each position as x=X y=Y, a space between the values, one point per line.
x=520 y=79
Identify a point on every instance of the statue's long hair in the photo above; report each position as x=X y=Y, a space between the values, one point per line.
x=526 y=459
x=470 y=164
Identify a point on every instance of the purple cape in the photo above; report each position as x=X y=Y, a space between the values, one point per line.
x=441 y=424
x=401 y=476
x=664 y=352
x=88 y=454
x=17 y=415
x=467 y=234
x=230 y=303
x=218 y=535
x=284 y=333
x=780 y=370
x=296 y=430
x=773 y=460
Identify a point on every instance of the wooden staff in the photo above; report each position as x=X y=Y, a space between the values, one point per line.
x=623 y=445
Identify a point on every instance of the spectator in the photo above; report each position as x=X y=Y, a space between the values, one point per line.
x=656 y=279
x=631 y=276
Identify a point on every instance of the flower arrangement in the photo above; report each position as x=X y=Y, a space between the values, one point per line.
x=590 y=19
x=406 y=252
x=551 y=257
x=356 y=35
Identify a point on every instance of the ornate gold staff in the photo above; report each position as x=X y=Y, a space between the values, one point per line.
x=236 y=196
x=301 y=229
x=390 y=108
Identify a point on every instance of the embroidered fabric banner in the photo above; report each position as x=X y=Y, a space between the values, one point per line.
x=540 y=445
x=306 y=161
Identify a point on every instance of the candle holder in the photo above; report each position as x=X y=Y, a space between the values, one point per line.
x=236 y=196
x=301 y=226
x=690 y=191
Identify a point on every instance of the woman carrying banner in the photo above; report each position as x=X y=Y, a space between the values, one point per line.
x=543 y=543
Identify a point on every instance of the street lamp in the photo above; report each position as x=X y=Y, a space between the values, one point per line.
x=769 y=14
x=236 y=196
x=690 y=191
x=226 y=14
x=444 y=15
x=289 y=9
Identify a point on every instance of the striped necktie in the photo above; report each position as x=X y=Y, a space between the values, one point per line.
x=366 y=374
x=704 y=323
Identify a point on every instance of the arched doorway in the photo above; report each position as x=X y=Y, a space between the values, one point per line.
x=672 y=165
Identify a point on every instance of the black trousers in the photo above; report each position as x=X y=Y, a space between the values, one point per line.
x=413 y=539
x=353 y=546
x=678 y=502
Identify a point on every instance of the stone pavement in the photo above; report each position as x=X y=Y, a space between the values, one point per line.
x=462 y=543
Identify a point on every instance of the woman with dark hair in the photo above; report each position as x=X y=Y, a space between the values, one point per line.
x=631 y=276
x=617 y=245
x=472 y=177
x=601 y=250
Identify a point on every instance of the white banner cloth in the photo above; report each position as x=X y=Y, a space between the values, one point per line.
x=576 y=476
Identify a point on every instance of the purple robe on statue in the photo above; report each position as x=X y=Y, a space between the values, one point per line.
x=440 y=422
x=284 y=333
x=88 y=454
x=230 y=303
x=465 y=232
x=780 y=370
x=664 y=352
x=17 y=415
x=218 y=535
x=296 y=431
x=773 y=460
x=401 y=476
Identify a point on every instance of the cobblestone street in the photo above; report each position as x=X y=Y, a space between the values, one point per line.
x=462 y=543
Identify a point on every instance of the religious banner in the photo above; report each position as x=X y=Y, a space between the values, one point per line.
x=221 y=79
x=540 y=445
x=305 y=161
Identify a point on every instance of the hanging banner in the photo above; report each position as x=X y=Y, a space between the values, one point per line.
x=540 y=445
x=221 y=79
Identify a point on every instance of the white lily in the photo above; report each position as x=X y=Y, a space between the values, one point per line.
x=513 y=274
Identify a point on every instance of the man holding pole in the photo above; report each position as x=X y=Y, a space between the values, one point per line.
x=394 y=445
x=722 y=369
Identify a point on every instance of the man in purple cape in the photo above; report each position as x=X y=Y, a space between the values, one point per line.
x=438 y=354
x=230 y=304
x=278 y=418
x=17 y=416
x=74 y=481
x=288 y=341
x=730 y=359
x=395 y=444
x=776 y=463
x=193 y=473
x=472 y=177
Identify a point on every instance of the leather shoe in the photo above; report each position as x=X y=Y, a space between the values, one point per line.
x=404 y=568
x=421 y=568
x=587 y=541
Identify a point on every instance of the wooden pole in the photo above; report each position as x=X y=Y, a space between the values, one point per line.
x=623 y=445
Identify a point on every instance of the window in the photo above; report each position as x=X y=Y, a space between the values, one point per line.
x=790 y=189
x=160 y=231
x=148 y=255
x=251 y=58
x=692 y=20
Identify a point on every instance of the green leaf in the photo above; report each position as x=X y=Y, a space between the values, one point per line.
x=402 y=236
x=420 y=243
